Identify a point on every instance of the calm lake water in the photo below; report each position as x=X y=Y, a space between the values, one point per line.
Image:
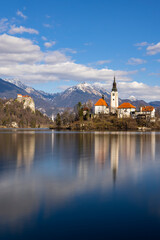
x=71 y=185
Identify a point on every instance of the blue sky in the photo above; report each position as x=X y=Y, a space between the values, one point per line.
x=54 y=44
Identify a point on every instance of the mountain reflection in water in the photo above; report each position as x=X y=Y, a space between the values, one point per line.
x=44 y=172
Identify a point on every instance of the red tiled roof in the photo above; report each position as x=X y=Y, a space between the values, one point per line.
x=126 y=105
x=101 y=102
x=22 y=95
x=26 y=96
x=147 y=109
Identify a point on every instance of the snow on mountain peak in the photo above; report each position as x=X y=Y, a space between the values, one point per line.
x=132 y=98
x=17 y=83
x=84 y=86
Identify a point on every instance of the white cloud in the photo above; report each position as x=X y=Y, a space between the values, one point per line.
x=21 y=29
x=19 y=13
x=44 y=38
x=49 y=44
x=56 y=57
x=68 y=50
x=101 y=62
x=154 y=74
x=88 y=44
x=3 y=25
x=18 y=50
x=11 y=44
x=142 y=44
x=47 y=25
x=138 y=89
x=21 y=58
x=153 y=49
x=136 y=61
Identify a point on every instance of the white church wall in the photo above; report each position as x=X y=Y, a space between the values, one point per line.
x=125 y=112
x=114 y=101
x=101 y=110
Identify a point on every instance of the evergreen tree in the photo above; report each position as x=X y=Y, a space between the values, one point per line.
x=58 y=120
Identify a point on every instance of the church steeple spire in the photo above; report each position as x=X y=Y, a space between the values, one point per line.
x=114 y=85
x=114 y=97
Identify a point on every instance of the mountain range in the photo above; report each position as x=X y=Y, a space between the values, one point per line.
x=53 y=103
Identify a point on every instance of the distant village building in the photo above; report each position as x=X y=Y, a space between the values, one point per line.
x=101 y=107
x=85 y=111
x=146 y=112
x=114 y=98
x=27 y=101
x=126 y=110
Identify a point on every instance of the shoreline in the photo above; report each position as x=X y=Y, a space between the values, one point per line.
x=76 y=130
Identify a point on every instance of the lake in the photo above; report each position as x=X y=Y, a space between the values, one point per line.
x=79 y=185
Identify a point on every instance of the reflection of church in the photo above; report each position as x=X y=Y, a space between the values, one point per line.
x=107 y=150
x=126 y=148
x=114 y=155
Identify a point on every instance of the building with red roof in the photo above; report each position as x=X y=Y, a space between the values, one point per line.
x=126 y=110
x=101 y=107
x=126 y=106
x=148 y=111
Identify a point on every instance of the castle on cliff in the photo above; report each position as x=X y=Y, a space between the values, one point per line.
x=27 y=101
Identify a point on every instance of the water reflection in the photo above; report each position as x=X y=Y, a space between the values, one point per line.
x=101 y=148
x=114 y=155
x=19 y=148
x=63 y=166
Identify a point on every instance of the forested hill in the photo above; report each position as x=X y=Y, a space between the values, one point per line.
x=12 y=114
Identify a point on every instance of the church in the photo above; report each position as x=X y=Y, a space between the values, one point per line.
x=101 y=107
x=125 y=110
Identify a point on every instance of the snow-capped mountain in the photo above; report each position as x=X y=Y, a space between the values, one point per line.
x=17 y=83
x=80 y=93
x=132 y=98
x=31 y=91
x=69 y=98
x=87 y=88
x=47 y=102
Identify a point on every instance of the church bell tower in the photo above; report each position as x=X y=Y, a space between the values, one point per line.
x=114 y=97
